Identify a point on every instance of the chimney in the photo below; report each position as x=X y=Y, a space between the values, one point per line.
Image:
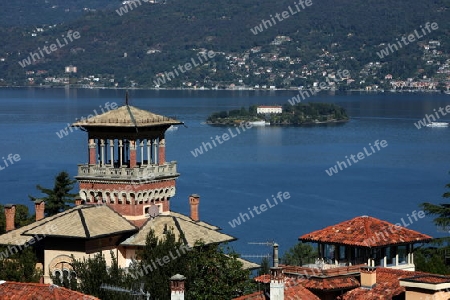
x=39 y=207
x=194 y=201
x=368 y=277
x=275 y=255
x=177 y=287
x=10 y=213
x=276 y=283
x=78 y=201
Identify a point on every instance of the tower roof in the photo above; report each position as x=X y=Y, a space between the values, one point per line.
x=126 y=116
x=365 y=231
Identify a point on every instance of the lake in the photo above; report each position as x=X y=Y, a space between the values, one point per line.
x=246 y=170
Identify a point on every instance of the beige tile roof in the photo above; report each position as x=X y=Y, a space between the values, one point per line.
x=87 y=221
x=186 y=218
x=127 y=116
x=15 y=237
x=248 y=264
x=193 y=231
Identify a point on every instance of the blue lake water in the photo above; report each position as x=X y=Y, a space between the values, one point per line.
x=247 y=169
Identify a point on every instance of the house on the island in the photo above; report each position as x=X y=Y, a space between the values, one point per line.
x=267 y=109
x=362 y=258
x=125 y=191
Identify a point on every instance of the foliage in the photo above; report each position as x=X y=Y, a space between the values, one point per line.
x=442 y=211
x=20 y=267
x=265 y=266
x=159 y=271
x=92 y=273
x=58 y=198
x=345 y=31
x=431 y=260
x=299 y=255
x=211 y=273
x=215 y=274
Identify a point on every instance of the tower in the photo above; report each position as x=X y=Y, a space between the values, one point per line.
x=127 y=168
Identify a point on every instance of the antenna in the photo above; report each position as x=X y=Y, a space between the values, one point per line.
x=122 y=290
x=257 y=255
x=126 y=98
x=270 y=244
x=261 y=243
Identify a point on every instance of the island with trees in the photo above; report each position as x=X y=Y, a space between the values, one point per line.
x=291 y=115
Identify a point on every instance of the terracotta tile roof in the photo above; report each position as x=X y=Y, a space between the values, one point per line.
x=126 y=116
x=262 y=278
x=178 y=223
x=292 y=290
x=255 y=296
x=84 y=221
x=365 y=232
x=429 y=278
x=35 y=291
x=295 y=290
x=317 y=283
x=330 y=284
x=387 y=286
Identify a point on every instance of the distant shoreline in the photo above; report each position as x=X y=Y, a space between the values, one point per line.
x=243 y=89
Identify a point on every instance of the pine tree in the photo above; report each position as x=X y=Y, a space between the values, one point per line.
x=299 y=255
x=442 y=211
x=59 y=198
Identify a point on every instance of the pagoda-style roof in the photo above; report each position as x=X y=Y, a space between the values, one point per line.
x=127 y=116
x=366 y=232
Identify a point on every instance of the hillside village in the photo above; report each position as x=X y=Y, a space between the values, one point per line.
x=267 y=68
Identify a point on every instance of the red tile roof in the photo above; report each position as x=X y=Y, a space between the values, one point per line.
x=330 y=284
x=262 y=278
x=293 y=289
x=429 y=278
x=365 y=232
x=255 y=296
x=387 y=286
x=35 y=291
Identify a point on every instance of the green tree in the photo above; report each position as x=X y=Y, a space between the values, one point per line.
x=92 y=273
x=299 y=255
x=59 y=198
x=442 y=211
x=152 y=270
x=19 y=266
x=210 y=271
x=265 y=267
x=431 y=260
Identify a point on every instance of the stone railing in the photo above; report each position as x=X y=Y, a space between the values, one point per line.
x=138 y=173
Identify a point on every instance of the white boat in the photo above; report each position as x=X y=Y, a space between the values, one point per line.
x=438 y=124
x=172 y=128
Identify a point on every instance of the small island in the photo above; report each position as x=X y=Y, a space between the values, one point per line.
x=287 y=115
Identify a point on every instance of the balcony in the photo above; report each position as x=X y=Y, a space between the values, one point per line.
x=142 y=172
